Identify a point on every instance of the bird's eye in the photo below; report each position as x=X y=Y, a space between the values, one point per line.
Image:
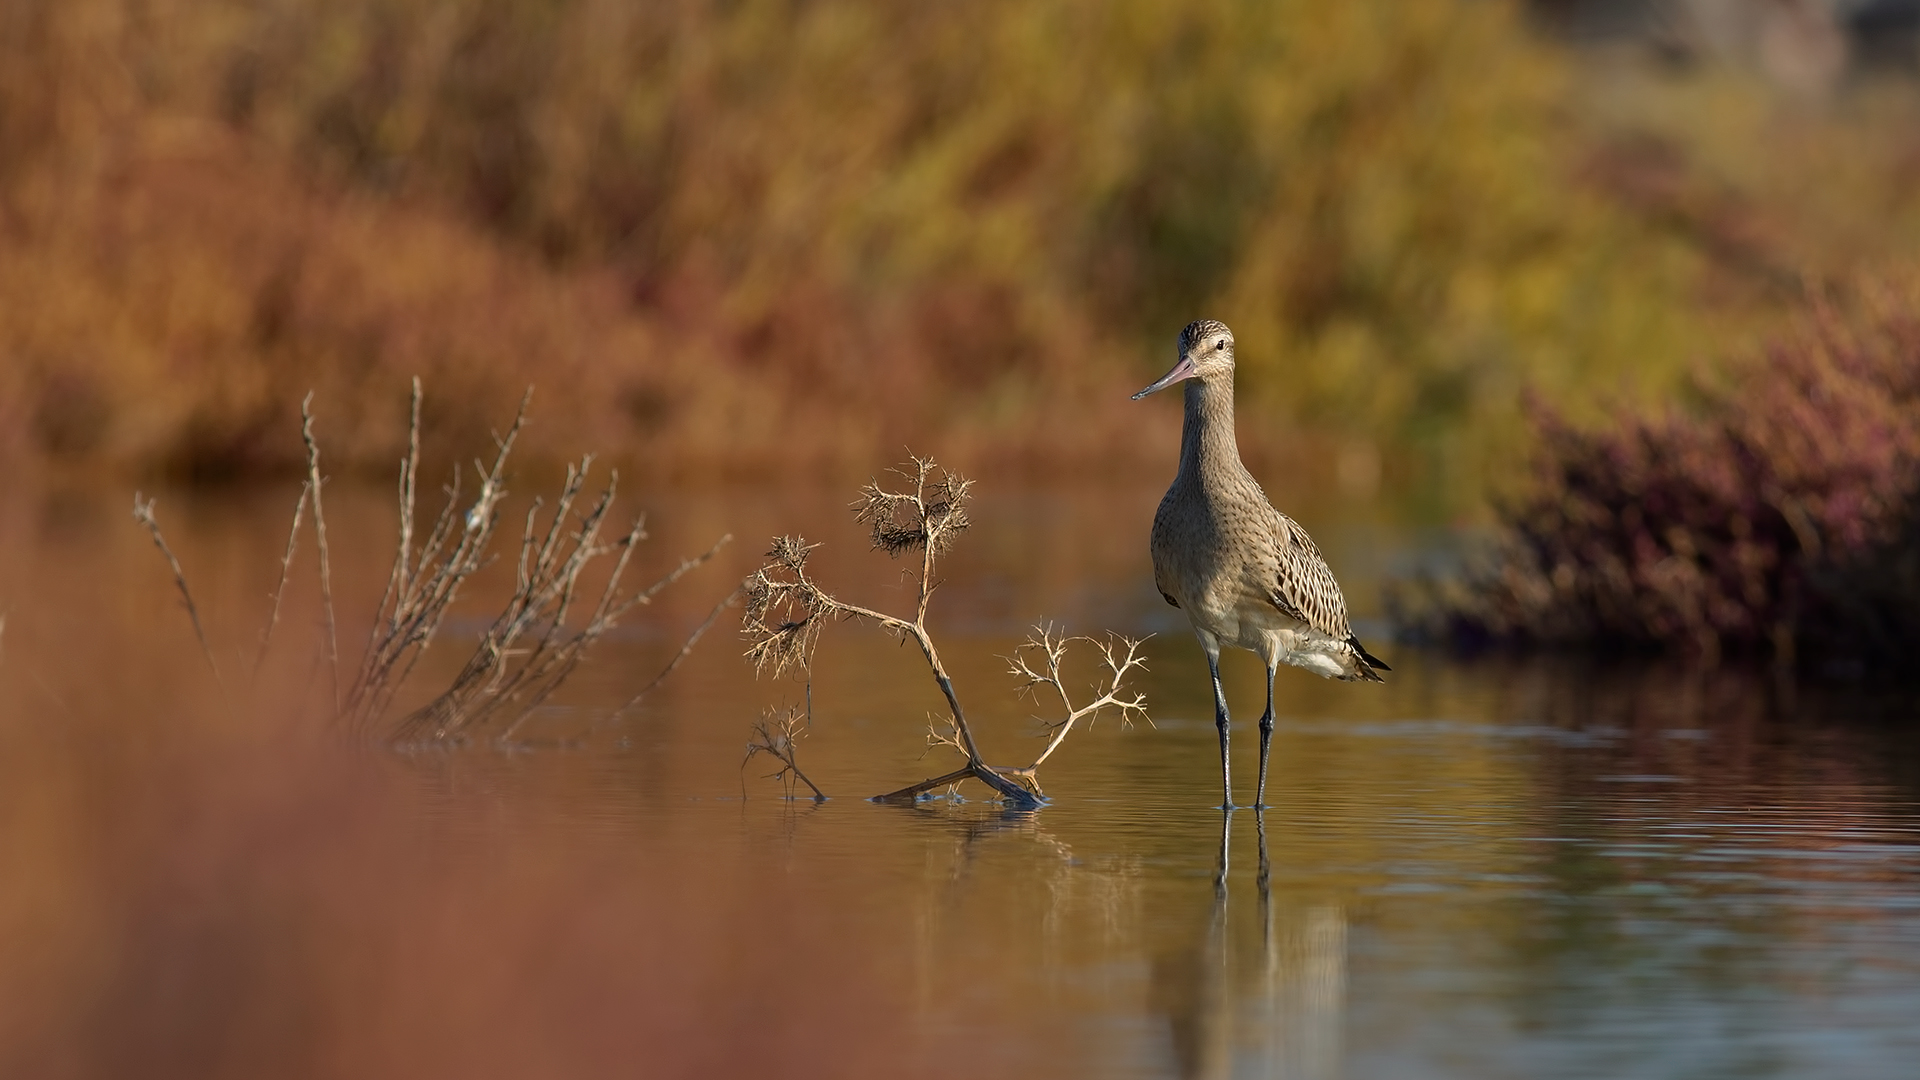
x=1220 y=344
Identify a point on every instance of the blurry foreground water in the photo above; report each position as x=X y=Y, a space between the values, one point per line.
x=1494 y=869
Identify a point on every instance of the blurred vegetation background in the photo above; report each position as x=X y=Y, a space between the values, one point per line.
x=770 y=235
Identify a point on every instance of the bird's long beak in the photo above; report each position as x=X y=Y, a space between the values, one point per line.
x=1182 y=370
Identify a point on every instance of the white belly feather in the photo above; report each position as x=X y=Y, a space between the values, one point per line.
x=1260 y=628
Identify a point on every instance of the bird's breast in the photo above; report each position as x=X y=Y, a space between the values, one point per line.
x=1212 y=554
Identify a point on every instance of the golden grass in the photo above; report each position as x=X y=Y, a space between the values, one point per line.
x=770 y=236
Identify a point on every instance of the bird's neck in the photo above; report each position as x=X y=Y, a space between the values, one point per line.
x=1207 y=446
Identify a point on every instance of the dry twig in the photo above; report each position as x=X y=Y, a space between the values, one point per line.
x=785 y=611
x=143 y=513
x=424 y=583
x=502 y=670
x=320 y=539
x=280 y=588
x=427 y=576
x=686 y=648
x=1118 y=654
x=777 y=736
x=548 y=579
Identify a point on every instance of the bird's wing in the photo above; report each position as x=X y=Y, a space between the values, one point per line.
x=1304 y=587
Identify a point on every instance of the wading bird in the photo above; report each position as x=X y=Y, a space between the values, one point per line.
x=1245 y=574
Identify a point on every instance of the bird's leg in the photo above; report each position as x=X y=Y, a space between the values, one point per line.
x=1220 y=721
x=1266 y=737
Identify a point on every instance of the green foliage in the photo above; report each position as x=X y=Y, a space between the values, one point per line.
x=928 y=221
x=1378 y=193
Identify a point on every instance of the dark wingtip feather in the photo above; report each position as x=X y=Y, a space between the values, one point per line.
x=1368 y=658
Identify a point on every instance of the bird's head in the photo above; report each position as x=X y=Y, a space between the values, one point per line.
x=1206 y=353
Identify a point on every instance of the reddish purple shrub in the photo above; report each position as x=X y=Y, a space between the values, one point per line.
x=1865 y=613
x=1776 y=516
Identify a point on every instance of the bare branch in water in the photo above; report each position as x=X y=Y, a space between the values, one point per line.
x=280 y=588
x=320 y=534
x=685 y=649
x=947 y=735
x=925 y=519
x=1119 y=655
x=929 y=516
x=424 y=584
x=532 y=646
x=785 y=610
x=398 y=578
x=143 y=513
x=550 y=563
x=778 y=736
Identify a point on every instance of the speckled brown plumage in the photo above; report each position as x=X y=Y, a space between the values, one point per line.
x=1246 y=575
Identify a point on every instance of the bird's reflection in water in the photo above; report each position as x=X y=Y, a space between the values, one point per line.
x=1265 y=1000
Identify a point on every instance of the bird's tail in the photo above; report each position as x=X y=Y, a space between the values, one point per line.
x=1367 y=662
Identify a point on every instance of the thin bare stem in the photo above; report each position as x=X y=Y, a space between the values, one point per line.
x=427 y=583
x=280 y=587
x=686 y=648
x=320 y=533
x=534 y=644
x=778 y=737
x=785 y=609
x=951 y=739
x=143 y=513
x=782 y=590
x=532 y=647
x=926 y=518
x=1119 y=656
x=388 y=610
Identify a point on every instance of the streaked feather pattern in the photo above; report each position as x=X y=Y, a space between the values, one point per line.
x=1246 y=575
x=1221 y=551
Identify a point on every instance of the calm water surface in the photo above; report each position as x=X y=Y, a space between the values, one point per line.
x=1547 y=869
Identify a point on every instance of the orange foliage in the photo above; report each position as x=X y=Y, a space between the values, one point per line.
x=172 y=316
x=772 y=236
